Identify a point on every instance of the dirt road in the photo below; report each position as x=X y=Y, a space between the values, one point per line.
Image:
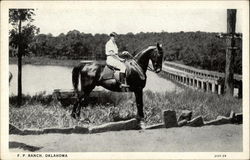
x=223 y=138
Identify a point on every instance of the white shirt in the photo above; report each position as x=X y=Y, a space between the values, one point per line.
x=111 y=48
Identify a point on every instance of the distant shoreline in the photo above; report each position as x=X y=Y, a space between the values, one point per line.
x=46 y=61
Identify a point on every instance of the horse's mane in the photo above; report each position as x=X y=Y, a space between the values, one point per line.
x=144 y=50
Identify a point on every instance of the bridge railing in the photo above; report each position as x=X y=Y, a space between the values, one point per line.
x=200 y=72
x=200 y=78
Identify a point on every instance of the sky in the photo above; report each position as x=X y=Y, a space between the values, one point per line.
x=130 y=18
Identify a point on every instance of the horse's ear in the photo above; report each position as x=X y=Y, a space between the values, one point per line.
x=159 y=45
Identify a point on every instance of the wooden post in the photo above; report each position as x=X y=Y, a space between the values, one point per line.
x=19 y=81
x=229 y=72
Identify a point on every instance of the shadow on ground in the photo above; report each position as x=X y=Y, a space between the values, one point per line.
x=23 y=146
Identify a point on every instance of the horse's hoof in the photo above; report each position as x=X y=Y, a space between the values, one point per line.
x=142 y=124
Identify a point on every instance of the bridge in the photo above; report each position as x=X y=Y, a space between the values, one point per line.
x=209 y=81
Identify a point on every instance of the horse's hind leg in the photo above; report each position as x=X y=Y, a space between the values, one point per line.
x=81 y=100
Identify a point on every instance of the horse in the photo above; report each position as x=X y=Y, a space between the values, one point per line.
x=91 y=75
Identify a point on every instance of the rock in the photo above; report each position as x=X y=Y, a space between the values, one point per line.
x=116 y=126
x=221 y=117
x=14 y=130
x=185 y=114
x=78 y=129
x=196 y=122
x=155 y=126
x=239 y=118
x=169 y=118
x=58 y=130
x=232 y=116
x=219 y=121
x=182 y=123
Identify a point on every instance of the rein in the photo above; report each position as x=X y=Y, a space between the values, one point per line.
x=149 y=68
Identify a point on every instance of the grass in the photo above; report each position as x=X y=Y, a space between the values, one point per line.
x=41 y=111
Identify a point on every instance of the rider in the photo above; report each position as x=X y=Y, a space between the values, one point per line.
x=113 y=59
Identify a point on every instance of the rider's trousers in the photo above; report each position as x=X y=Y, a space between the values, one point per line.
x=116 y=63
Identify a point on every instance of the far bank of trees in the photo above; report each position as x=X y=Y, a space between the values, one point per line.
x=198 y=49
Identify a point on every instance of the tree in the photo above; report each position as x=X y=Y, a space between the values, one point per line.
x=21 y=37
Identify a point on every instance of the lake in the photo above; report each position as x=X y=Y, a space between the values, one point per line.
x=36 y=78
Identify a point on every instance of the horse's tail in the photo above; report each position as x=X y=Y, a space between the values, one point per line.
x=75 y=76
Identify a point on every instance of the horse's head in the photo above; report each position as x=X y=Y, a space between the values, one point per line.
x=156 y=58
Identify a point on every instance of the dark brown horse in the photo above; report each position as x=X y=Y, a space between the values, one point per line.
x=91 y=75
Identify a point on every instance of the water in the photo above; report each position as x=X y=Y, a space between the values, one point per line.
x=37 y=79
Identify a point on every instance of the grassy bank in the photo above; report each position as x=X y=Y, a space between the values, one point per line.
x=41 y=111
x=45 y=61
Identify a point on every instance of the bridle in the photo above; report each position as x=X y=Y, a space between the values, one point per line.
x=150 y=68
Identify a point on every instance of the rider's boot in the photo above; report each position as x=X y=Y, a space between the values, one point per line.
x=123 y=80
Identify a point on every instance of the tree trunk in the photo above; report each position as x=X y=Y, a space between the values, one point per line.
x=19 y=101
x=229 y=69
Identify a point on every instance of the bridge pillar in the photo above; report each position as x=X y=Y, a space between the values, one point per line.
x=213 y=87
x=202 y=85
x=197 y=83
x=219 y=89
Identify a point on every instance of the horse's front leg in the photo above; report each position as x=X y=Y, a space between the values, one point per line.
x=139 y=104
x=75 y=111
x=77 y=105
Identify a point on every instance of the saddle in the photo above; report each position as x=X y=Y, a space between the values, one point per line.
x=110 y=72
